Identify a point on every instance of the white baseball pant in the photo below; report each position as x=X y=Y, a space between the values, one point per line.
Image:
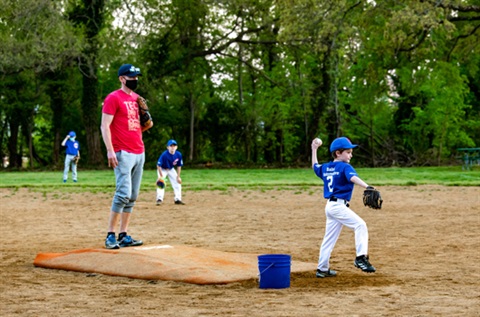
x=339 y=215
x=172 y=177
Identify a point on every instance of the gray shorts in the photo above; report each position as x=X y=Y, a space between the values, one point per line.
x=128 y=177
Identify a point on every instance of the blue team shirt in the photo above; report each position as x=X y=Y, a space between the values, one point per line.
x=336 y=179
x=72 y=147
x=168 y=161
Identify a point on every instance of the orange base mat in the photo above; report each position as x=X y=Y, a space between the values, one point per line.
x=163 y=262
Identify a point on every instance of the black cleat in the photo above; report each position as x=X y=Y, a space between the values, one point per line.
x=127 y=241
x=362 y=263
x=327 y=273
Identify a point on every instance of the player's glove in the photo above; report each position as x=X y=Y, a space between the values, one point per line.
x=76 y=159
x=372 y=198
x=145 y=117
x=161 y=183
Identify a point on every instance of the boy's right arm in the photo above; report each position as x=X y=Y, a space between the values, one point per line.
x=315 y=146
x=65 y=140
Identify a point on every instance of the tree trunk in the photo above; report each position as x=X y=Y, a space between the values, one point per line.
x=2 y=138
x=322 y=100
x=192 y=125
x=55 y=90
x=27 y=130
x=90 y=119
x=91 y=16
x=14 y=158
x=90 y=103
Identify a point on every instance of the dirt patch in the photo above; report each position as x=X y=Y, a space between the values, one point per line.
x=425 y=244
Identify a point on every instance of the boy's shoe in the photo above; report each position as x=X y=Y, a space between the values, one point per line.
x=74 y=180
x=179 y=202
x=111 y=242
x=127 y=241
x=159 y=202
x=362 y=263
x=327 y=273
x=64 y=180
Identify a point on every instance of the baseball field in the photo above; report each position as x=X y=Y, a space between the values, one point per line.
x=424 y=242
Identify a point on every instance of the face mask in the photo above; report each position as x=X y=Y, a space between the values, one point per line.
x=72 y=139
x=131 y=84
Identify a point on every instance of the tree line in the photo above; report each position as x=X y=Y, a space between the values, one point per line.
x=245 y=81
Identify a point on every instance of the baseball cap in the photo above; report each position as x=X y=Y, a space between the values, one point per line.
x=72 y=134
x=171 y=142
x=341 y=143
x=129 y=70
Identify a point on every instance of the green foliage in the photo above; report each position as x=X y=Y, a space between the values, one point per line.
x=247 y=82
x=442 y=116
x=36 y=36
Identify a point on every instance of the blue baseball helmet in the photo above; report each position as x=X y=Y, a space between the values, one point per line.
x=72 y=134
x=341 y=143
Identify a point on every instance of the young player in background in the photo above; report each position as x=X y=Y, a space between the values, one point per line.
x=170 y=165
x=72 y=155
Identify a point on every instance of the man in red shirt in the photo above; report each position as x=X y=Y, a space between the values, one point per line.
x=122 y=135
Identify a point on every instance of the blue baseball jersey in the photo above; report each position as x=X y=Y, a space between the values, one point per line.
x=72 y=147
x=168 y=161
x=336 y=179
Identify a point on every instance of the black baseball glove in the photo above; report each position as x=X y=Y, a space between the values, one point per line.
x=161 y=183
x=76 y=159
x=372 y=198
x=145 y=117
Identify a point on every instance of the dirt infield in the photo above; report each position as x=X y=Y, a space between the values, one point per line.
x=425 y=244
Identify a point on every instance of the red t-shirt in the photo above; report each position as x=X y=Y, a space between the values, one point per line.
x=125 y=128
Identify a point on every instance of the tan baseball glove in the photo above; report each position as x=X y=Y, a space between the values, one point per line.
x=145 y=117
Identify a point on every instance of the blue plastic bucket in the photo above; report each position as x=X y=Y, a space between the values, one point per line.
x=274 y=270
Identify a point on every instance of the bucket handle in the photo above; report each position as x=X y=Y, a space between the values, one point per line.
x=266 y=269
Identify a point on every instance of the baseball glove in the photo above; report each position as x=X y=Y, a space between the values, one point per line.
x=372 y=198
x=76 y=159
x=145 y=117
x=161 y=183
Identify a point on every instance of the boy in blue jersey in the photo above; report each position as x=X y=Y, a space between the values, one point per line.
x=339 y=178
x=72 y=151
x=170 y=164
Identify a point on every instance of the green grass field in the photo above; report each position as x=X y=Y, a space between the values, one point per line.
x=224 y=179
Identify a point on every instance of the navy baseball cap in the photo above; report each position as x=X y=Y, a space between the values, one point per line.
x=72 y=134
x=171 y=142
x=341 y=143
x=129 y=70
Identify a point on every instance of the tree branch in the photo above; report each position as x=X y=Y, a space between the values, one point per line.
x=261 y=72
x=460 y=8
